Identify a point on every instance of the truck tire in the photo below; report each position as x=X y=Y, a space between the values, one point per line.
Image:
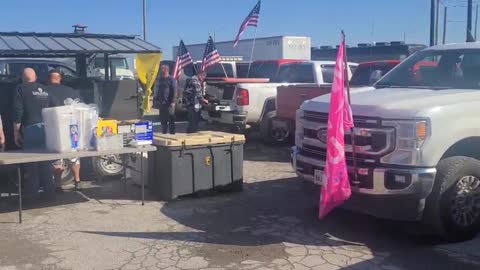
x=453 y=207
x=67 y=177
x=269 y=136
x=104 y=168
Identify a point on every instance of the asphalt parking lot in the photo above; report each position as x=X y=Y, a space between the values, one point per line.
x=272 y=224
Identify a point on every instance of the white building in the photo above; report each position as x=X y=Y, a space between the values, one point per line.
x=267 y=48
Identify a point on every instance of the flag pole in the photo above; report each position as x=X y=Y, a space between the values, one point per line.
x=251 y=54
x=352 y=131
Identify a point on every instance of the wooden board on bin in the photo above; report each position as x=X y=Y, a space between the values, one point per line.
x=224 y=136
x=195 y=139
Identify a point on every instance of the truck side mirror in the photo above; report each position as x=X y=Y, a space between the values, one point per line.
x=375 y=76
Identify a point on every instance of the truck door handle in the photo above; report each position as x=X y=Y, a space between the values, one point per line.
x=303 y=96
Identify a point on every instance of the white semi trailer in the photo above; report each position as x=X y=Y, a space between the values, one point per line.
x=266 y=48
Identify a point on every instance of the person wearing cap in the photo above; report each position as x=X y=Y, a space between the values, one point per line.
x=61 y=93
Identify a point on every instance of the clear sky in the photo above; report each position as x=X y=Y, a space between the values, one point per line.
x=168 y=20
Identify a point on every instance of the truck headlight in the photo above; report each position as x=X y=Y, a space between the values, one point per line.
x=410 y=137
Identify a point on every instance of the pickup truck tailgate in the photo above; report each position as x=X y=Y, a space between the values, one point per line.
x=220 y=92
x=290 y=98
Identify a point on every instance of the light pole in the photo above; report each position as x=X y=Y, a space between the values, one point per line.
x=144 y=19
x=444 y=25
x=432 y=22
x=469 y=20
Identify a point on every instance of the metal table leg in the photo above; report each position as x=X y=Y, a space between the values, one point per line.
x=19 y=175
x=124 y=159
x=141 y=175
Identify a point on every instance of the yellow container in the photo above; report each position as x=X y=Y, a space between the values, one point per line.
x=107 y=127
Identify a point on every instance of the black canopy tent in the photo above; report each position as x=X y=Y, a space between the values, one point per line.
x=72 y=45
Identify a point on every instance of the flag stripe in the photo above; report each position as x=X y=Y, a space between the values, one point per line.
x=183 y=60
x=251 y=20
x=211 y=55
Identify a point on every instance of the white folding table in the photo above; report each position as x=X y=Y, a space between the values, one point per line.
x=32 y=156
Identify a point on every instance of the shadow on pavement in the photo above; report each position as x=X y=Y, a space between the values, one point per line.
x=274 y=212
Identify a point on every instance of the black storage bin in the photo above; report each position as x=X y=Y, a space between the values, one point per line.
x=187 y=164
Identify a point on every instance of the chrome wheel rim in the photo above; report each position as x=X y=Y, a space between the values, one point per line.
x=66 y=168
x=465 y=209
x=108 y=166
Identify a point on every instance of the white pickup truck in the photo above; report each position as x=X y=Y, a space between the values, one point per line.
x=241 y=104
x=417 y=140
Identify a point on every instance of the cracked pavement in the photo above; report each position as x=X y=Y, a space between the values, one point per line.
x=272 y=224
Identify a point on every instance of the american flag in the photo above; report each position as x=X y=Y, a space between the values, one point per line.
x=251 y=20
x=183 y=59
x=211 y=55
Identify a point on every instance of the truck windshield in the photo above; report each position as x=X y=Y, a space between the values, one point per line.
x=362 y=74
x=16 y=70
x=267 y=70
x=114 y=62
x=296 y=73
x=456 y=68
x=218 y=71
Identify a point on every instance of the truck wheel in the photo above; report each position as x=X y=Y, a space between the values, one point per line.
x=67 y=177
x=453 y=207
x=270 y=136
x=104 y=167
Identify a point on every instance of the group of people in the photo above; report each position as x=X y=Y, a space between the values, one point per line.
x=165 y=97
x=30 y=99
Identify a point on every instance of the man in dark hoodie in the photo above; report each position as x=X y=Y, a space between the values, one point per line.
x=29 y=100
x=165 y=97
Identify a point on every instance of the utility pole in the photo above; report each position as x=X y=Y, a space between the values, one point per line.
x=476 y=22
x=469 y=19
x=437 y=16
x=432 y=22
x=444 y=25
x=144 y=19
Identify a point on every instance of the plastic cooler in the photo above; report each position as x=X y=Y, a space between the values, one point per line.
x=188 y=163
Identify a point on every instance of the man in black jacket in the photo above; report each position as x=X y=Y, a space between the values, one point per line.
x=29 y=100
x=61 y=93
x=165 y=97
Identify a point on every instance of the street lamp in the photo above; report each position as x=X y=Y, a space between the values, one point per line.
x=144 y=19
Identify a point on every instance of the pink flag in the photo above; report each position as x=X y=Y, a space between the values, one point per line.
x=336 y=187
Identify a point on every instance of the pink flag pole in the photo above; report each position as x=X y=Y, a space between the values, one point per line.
x=352 y=132
x=336 y=185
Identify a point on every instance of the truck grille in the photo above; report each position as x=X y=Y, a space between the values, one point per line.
x=371 y=139
x=321 y=154
x=359 y=121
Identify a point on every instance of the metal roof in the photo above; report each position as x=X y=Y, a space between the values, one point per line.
x=16 y=44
